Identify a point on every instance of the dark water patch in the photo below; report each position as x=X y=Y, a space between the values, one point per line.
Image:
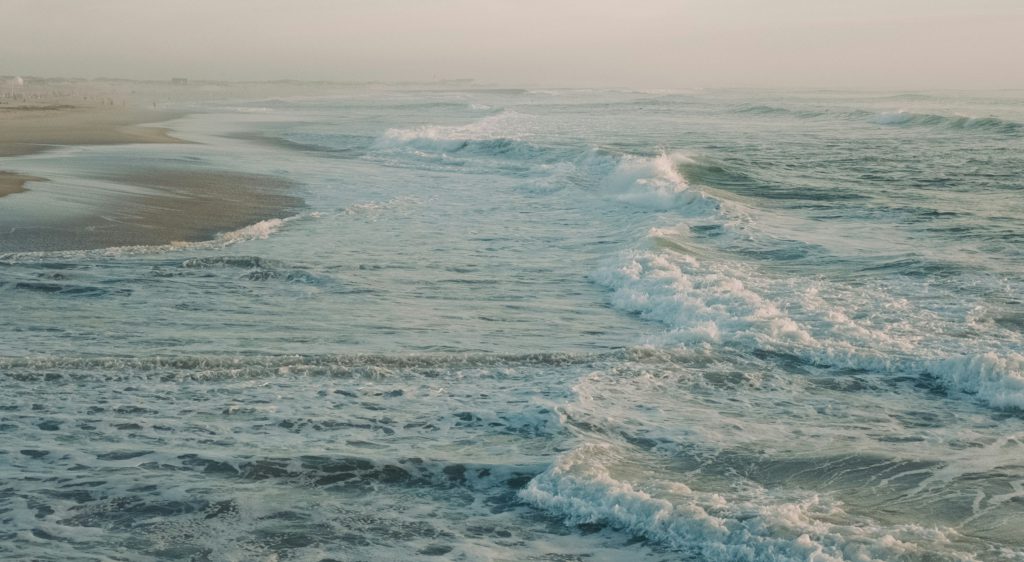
x=708 y=230
x=915 y=267
x=258 y=269
x=776 y=111
x=69 y=290
x=926 y=213
x=853 y=471
x=333 y=145
x=352 y=474
x=128 y=511
x=728 y=380
x=818 y=196
x=714 y=173
x=787 y=251
x=762 y=109
x=1012 y=321
x=518 y=151
x=212 y=367
x=789 y=362
x=435 y=550
x=49 y=425
x=243 y=262
x=843 y=383
x=122 y=455
x=34 y=453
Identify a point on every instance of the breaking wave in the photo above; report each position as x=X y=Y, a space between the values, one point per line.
x=581 y=488
x=721 y=303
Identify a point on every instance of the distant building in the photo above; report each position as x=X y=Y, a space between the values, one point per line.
x=179 y=81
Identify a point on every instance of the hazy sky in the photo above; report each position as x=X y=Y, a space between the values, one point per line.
x=907 y=44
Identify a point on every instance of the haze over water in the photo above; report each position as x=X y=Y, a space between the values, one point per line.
x=869 y=44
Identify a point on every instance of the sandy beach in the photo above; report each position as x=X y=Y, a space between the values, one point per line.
x=11 y=182
x=145 y=204
x=30 y=128
x=27 y=129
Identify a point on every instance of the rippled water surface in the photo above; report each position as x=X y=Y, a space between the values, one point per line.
x=547 y=325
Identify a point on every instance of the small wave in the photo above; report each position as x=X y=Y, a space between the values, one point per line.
x=500 y=135
x=774 y=110
x=258 y=231
x=762 y=110
x=771 y=110
x=337 y=145
x=955 y=122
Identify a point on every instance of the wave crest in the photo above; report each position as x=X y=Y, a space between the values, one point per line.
x=654 y=183
x=721 y=303
x=582 y=489
x=955 y=122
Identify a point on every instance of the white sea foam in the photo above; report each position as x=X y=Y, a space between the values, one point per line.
x=996 y=379
x=723 y=302
x=750 y=526
x=507 y=125
x=700 y=304
x=656 y=183
x=214 y=412
x=257 y=231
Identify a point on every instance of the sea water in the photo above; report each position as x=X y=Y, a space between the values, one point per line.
x=540 y=325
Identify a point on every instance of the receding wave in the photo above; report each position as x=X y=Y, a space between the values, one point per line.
x=258 y=231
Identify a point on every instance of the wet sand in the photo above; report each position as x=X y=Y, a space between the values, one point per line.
x=11 y=183
x=29 y=129
x=136 y=205
x=177 y=205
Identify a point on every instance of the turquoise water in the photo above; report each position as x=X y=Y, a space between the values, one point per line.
x=550 y=325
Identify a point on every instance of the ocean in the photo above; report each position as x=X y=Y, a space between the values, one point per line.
x=557 y=325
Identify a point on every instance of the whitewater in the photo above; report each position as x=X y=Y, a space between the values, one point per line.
x=540 y=325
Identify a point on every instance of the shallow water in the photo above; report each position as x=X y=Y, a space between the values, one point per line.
x=551 y=325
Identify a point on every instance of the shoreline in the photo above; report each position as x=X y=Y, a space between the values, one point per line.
x=13 y=182
x=133 y=202
x=31 y=129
